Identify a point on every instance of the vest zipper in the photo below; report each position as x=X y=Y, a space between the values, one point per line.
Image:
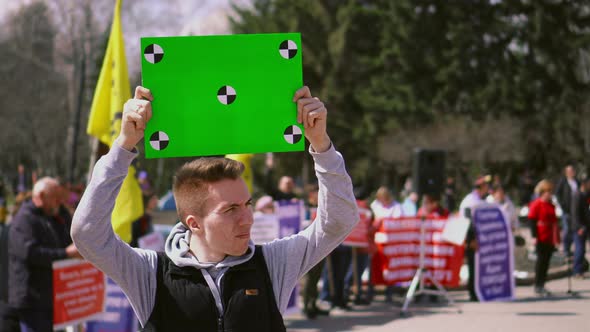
x=220 y=323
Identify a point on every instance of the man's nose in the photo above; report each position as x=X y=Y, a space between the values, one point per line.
x=247 y=217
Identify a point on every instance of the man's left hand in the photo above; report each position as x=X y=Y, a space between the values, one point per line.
x=312 y=113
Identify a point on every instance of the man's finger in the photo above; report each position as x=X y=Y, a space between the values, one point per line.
x=306 y=101
x=142 y=112
x=139 y=122
x=148 y=111
x=301 y=103
x=129 y=106
x=305 y=113
x=143 y=93
x=314 y=106
x=133 y=117
x=302 y=93
x=144 y=109
x=136 y=119
x=305 y=109
x=313 y=117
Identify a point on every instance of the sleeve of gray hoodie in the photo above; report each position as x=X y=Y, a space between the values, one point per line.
x=288 y=259
x=134 y=270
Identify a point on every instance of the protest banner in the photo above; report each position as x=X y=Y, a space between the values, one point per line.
x=153 y=241
x=118 y=316
x=398 y=256
x=494 y=258
x=78 y=292
x=359 y=235
x=265 y=228
x=290 y=213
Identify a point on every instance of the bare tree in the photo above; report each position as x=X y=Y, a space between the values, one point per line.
x=32 y=102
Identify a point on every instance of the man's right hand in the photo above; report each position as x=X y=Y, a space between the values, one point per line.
x=136 y=114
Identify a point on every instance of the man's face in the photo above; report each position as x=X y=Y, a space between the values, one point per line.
x=286 y=184
x=51 y=199
x=228 y=218
x=499 y=195
x=483 y=189
x=385 y=199
x=570 y=172
x=429 y=204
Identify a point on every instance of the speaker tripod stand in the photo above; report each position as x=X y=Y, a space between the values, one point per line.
x=423 y=275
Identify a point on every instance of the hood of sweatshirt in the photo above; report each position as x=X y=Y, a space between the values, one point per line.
x=178 y=250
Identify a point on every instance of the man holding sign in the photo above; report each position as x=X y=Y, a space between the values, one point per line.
x=211 y=276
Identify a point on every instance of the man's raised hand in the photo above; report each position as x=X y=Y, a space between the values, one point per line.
x=312 y=113
x=136 y=114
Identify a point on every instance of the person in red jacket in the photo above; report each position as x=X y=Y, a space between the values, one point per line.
x=544 y=230
x=431 y=207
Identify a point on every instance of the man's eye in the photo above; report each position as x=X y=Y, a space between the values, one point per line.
x=249 y=203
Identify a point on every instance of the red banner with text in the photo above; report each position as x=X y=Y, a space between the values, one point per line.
x=398 y=255
x=359 y=237
x=78 y=292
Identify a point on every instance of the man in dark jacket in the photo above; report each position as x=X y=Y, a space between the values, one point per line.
x=39 y=235
x=8 y=319
x=580 y=226
x=566 y=187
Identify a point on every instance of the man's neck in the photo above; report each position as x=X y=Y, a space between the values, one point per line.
x=203 y=255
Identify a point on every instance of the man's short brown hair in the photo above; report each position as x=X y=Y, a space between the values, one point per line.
x=191 y=181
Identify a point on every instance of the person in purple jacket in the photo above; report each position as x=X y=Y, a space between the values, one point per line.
x=211 y=276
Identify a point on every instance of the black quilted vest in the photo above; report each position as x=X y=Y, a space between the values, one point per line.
x=185 y=303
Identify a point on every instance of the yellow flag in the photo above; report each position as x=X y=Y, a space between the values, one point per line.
x=244 y=159
x=112 y=91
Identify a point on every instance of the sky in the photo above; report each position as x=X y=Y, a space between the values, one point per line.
x=142 y=18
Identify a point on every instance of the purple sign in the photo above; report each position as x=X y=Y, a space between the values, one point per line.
x=494 y=259
x=290 y=214
x=118 y=317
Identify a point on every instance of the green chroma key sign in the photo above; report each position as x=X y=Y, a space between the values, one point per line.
x=216 y=95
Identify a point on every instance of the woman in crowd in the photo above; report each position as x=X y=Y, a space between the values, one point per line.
x=544 y=230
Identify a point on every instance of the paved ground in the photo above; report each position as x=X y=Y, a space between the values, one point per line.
x=560 y=313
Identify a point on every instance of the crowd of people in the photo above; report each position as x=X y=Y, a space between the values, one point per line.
x=570 y=196
x=41 y=222
x=41 y=219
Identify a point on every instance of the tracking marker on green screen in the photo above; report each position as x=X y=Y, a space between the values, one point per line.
x=216 y=95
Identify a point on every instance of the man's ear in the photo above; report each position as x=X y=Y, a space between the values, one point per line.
x=193 y=223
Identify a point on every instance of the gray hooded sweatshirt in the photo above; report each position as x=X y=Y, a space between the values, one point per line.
x=134 y=270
